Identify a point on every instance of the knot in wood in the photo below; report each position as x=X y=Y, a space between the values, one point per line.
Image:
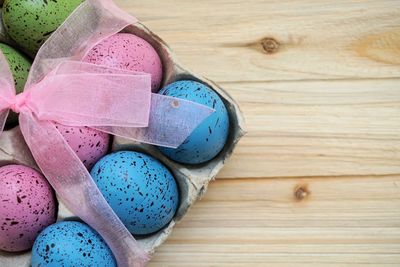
x=270 y=45
x=301 y=192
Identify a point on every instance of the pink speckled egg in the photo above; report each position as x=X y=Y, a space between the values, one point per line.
x=27 y=206
x=130 y=52
x=89 y=144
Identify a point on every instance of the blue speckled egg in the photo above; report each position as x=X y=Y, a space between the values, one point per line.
x=141 y=191
x=70 y=244
x=209 y=138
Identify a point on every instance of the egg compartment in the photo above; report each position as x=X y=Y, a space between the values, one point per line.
x=13 y=149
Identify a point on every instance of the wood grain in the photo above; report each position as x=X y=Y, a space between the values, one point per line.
x=267 y=222
x=319 y=128
x=259 y=40
x=318 y=176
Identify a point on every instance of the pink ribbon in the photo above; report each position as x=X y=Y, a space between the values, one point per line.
x=62 y=89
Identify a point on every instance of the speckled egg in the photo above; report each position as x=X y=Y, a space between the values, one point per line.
x=31 y=22
x=70 y=244
x=209 y=138
x=130 y=52
x=19 y=66
x=89 y=144
x=141 y=191
x=27 y=206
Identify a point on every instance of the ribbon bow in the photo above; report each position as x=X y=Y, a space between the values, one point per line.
x=62 y=89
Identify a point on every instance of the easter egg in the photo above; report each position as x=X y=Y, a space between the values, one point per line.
x=30 y=23
x=140 y=190
x=129 y=52
x=27 y=206
x=3 y=34
x=19 y=65
x=88 y=144
x=209 y=138
x=71 y=244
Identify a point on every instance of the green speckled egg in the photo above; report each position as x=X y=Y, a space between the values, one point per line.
x=31 y=22
x=20 y=66
x=4 y=37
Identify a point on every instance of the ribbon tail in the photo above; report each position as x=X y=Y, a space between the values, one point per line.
x=77 y=190
x=171 y=122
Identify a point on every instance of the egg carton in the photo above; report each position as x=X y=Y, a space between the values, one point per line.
x=192 y=180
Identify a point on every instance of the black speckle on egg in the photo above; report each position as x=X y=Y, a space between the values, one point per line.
x=130 y=52
x=28 y=205
x=59 y=244
x=89 y=144
x=30 y=23
x=144 y=195
x=209 y=138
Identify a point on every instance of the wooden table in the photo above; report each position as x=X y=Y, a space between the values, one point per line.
x=316 y=182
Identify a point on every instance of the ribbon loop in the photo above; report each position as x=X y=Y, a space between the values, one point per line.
x=83 y=94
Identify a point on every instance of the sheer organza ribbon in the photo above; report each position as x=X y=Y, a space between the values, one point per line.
x=62 y=89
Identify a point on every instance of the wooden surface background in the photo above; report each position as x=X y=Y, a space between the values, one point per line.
x=316 y=182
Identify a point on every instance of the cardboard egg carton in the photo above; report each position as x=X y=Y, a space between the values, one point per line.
x=192 y=180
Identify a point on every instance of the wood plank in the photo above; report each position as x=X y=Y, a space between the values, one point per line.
x=260 y=40
x=319 y=128
x=290 y=222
